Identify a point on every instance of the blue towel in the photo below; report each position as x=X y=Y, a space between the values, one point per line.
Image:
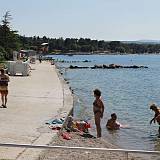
x=55 y=121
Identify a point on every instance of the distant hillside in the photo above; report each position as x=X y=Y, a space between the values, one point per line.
x=87 y=45
x=143 y=42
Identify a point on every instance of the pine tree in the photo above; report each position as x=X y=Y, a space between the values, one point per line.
x=9 y=39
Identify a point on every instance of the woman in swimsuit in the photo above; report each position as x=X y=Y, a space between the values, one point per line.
x=4 y=79
x=98 y=109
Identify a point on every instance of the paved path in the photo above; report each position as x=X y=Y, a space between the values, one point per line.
x=32 y=100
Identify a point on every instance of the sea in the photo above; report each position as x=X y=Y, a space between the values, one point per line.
x=125 y=91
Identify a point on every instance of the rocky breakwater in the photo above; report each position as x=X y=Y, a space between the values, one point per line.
x=104 y=66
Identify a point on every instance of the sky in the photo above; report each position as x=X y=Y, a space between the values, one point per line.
x=95 y=19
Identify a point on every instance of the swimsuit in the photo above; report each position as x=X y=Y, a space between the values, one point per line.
x=96 y=109
x=4 y=79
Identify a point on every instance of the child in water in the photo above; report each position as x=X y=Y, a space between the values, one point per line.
x=112 y=124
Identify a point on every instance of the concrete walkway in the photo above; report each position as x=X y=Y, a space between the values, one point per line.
x=32 y=101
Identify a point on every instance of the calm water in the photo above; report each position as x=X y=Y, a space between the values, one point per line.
x=127 y=92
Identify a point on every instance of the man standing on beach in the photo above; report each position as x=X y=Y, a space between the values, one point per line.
x=98 y=109
x=4 y=79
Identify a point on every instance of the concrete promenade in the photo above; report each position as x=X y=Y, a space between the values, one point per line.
x=32 y=101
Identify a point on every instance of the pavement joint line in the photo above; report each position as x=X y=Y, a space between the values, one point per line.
x=32 y=96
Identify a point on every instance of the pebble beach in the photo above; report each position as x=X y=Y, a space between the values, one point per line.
x=78 y=141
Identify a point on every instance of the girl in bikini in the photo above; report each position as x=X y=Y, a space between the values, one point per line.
x=98 y=109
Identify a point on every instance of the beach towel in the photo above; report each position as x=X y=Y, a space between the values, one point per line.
x=66 y=136
x=55 y=126
x=55 y=121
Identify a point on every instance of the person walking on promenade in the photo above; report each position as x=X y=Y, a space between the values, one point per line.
x=40 y=58
x=4 y=79
x=98 y=109
x=156 y=117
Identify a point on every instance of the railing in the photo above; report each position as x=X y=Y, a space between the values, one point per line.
x=125 y=151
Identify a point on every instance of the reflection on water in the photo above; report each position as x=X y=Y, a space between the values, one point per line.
x=127 y=92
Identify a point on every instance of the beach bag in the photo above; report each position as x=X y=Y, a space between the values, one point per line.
x=83 y=126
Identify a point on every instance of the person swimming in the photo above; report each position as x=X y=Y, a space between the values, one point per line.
x=112 y=124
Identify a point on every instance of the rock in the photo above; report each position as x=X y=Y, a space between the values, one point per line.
x=111 y=66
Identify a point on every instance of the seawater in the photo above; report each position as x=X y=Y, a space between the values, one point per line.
x=127 y=92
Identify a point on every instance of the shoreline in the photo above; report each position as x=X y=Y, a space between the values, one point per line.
x=134 y=136
x=68 y=96
x=74 y=96
x=100 y=54
x=77 y=140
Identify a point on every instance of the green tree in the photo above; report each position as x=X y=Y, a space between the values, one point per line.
x=9 y=39
x=2 y=53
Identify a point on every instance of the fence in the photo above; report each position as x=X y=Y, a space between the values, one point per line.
x=125 y=151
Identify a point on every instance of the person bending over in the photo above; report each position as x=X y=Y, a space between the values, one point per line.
x=156 y=117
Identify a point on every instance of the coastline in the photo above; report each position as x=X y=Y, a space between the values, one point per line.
x=114 y=85
x=68 y=97
x=77 y=140
x=100 y=53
